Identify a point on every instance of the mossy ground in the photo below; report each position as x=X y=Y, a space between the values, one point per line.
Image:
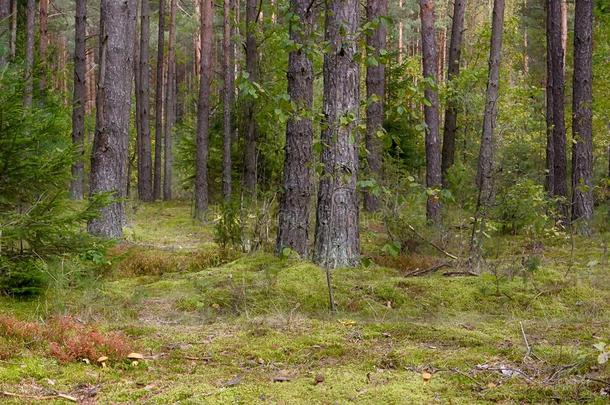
x=219 y=327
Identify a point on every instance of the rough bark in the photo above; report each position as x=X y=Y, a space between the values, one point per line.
x=453 y=70
x=337 y=242
x=582 y=146
x=228 y=71
x=157 y=181
x=170 y=104
x=43 y=41
x=250 y=164
x=550 y=151
x=295 y=202
x=433 y=147
x=486 y=152
x=110 y=145
x=559 y=130
x=79 y=99
x=203 y=110
x=375 y=88
x=29 y=53
x=145 y=186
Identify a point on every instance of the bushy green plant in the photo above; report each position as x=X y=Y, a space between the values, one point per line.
x=523 y=206
x=23 y=278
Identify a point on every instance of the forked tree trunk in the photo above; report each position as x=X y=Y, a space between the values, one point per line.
x=170 y=104
x=79 y=99
x=559 y=130
x=337 y=242
x=110 y=145
x=433 y=146
x=250 y=164
x=293 y=228
x=145 y=186
x=43 y=37
x=29 y=53
x=375 y=89
x=157 y=175
x=228 y=57
x=582 y=146
x=203 y=110
x=453 y=70
x=486 y=153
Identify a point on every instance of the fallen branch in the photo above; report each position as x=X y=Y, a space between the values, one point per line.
x=434 y=245
x=421 y=272
x=460 y=273
x=40 y=398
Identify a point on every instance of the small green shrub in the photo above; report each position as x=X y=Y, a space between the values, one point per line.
x=22 y=279
x=523 y=206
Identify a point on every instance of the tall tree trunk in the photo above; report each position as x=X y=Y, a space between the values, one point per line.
x=375 y=90
x=43 y=37
x=13 y=45
x=79 y=99
x=250 y=163
x=550 y=148
x=29 y=53
x=582 y=146
x=453 y=70
x=228 y=57
x=203 y=110
x=145 y=186
x=159 y=104
x=400 y=33
x=433 y=147
x=110 y=145
x=293 y=226
x=337 y=243
x=559 y=130
x=170 y=103
x=5 y=12
x=486 y=153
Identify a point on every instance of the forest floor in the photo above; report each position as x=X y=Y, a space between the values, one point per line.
x=226 y=327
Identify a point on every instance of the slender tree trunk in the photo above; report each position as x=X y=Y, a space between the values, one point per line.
x=375 y=90
x=337 y=243
x=453 y=70
x=228 y=57
x=170 y=103
x=110 y=145
x=145 y=186
x=13 y=45
x=550 y=149
x=203 y=110
x=79 y=99
x=400 y=33
x=43 y=11
x=559 y=131
x=250 y=163
x=582 y=146
x=5 y=12
x=159 y=104
x=486 y=153
x=293 y=226
x=29 y=53
x=433 y=147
